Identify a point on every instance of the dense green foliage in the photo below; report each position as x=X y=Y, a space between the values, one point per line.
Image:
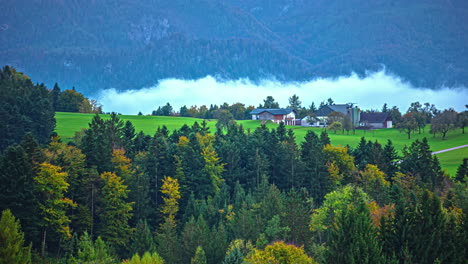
x=69 y=123
x=12 y=249
x=195 y=194
x=25 y=108
x=196 y=197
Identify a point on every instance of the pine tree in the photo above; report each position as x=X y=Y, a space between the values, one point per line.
x=55 y=95
x=419 y=161
x=324 y=139
x=462 y=171
x=93 y=252
x=142 y=239
x=194 y=234
x=353 y=237
x=199 y=257
x=12 y=249
x=315 y=175
x=97 y=145
x=390 y=159
x=17 y=191
x=146 y=258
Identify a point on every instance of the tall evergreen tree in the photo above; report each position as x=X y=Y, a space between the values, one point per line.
x=55 y=96
x=142 y=239
x=24 y=108
x=315 y=174
x=418 y=160
x=17 y=191
x=353 y=237
x=199 y=257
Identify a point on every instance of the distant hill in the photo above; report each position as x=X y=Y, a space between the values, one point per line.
x=95 y=44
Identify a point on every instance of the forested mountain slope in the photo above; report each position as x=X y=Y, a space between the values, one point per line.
x=129 y=44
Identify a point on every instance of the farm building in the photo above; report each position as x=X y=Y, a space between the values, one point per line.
x=376 y=120
x=287 y=116
x=321 y=115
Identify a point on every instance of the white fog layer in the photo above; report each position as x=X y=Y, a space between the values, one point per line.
x=370 y=92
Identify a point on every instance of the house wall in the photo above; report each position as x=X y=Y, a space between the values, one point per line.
x=291 y=115
x=389 y=124
x=278 y=118
x=265 y=116
x=376 y=125
x=254 y=117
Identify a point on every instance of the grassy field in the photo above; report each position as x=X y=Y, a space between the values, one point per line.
x=69 y=123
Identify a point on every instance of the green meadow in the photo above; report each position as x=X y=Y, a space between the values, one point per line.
x=69 y=123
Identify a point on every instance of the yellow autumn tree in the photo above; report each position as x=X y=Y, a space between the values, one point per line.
x=340 y=164
x=372 y=180
x=279 y=253
x=166 y=238
x=51 y=184
x=171 y=191
x=213 y=167
x=122 y=164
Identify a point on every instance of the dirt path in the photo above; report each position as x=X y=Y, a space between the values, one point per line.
x=445 y=150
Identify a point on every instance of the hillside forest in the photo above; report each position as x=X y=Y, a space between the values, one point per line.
x=115 y=195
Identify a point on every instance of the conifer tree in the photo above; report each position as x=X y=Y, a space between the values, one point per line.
x=315 y=174
x=390 y=159
x=142 y=239
x=93 y=252
x=419 y=161
x=97 y=146
x=462 y=171
x=12 y=249
x=17 y=191
x=199 y=257
x=146 y=258
x=353 y=238
x=194 y=234
x=324 y=138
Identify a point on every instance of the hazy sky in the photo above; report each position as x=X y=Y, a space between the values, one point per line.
x=370 y=92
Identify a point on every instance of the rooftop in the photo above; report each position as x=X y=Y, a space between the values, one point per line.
x=277 y=111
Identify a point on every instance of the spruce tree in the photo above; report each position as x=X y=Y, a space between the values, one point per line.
x=199 y=257
x=390 y=159
x=17 y=191
x=324 y=138
x=314 y=172
x=142 y=239
x=12 y=249
x=462 y=171
x=353 y=237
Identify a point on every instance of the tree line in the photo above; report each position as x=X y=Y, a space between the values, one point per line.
x=187 y=195
x=115 y=195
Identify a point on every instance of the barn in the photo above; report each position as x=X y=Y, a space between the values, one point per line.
x=376 y=120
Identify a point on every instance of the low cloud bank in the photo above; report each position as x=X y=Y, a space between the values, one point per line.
x=369 y=92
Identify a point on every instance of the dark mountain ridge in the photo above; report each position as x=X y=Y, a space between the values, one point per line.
x=126 y=44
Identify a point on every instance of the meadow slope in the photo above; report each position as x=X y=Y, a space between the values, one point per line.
x=69 y=123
